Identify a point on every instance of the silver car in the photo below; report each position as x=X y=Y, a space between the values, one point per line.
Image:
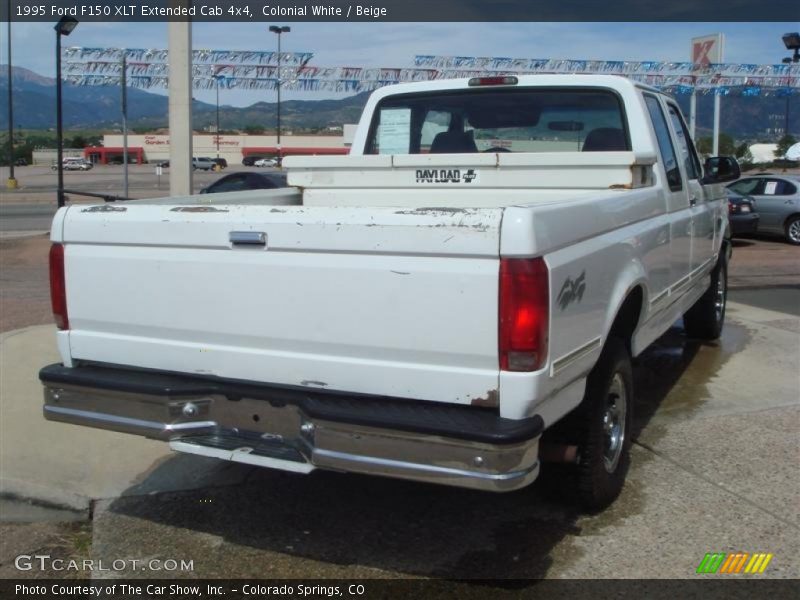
x=777 y=201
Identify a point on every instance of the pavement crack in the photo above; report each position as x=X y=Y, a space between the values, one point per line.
x=715 y=484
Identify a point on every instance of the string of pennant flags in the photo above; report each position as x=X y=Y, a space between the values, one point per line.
x=198 y=56
x=248 y=70
x=233 y=72
x=620 y=67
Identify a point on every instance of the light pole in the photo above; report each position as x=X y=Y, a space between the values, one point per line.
x=64 y=27
x=124 y=85
x=792 y=42
x=279 y=31
x=217 y=78
x=12 y=182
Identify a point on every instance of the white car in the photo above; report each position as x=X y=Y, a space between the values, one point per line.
x=73 y=164
x=266 y=162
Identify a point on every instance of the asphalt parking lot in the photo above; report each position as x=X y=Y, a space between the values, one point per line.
x=37 y=182
x=714 y=469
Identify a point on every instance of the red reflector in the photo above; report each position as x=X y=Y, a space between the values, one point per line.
x=500 y=80
x=524 y=313
x=58 y=288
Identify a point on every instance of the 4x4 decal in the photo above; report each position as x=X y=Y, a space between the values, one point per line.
x=572 y=290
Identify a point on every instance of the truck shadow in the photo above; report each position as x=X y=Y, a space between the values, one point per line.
x=339 y=525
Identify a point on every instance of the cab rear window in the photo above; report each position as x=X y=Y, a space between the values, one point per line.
x=507 y=120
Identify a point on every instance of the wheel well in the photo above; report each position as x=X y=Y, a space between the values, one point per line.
x=628 y=317
x=789 y=218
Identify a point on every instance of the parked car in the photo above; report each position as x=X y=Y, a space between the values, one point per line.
x=21 y=162
x=163 y=164
x=777 y=200
x=267 y=162
x=221 y=163
x=73 y=164
x=203 y=163
x=741 y=214
x=236 y=182
x=249 y=161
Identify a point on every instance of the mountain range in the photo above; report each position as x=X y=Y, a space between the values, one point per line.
x=99 y=107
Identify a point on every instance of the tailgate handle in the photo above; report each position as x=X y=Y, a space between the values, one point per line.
x=248 y=238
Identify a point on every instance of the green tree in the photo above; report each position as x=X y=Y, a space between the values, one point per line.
x=784 y=144
x=254 y=130
x=727 y=146
x=78 y=142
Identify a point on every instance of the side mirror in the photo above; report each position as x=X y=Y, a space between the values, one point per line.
x=720 y=169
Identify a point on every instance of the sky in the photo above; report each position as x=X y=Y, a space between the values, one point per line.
x=393 y=45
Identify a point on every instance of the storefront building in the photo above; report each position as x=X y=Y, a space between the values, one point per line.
x=233 y=148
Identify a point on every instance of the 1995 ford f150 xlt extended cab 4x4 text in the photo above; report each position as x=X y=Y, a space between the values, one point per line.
x=481 y=268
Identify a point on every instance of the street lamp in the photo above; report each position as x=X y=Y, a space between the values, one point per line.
x=217 y=78
x=63 y=27
x=792 y=42
x=279 y=31
x=12 y=182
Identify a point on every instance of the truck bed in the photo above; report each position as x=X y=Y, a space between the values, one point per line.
x=386 y=301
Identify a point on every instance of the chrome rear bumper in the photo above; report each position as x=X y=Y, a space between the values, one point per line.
x=300 y=430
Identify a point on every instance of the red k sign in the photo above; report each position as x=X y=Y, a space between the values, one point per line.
x=708 y=49
x=700 y=52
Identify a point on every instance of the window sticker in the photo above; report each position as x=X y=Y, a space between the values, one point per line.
x=394 y=131
x=770 y=187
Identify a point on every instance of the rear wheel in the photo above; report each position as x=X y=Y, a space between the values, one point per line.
x=793 y=230
x=603 y=423
x=706 y=318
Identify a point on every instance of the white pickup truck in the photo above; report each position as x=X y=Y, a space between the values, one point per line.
x=481 y=268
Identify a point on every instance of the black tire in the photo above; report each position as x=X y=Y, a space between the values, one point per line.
x=604 y=450
x=792 y=230
x=706 y=318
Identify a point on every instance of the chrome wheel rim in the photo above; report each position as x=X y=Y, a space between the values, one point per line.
x=794 y=231
x=614 y=413
x=719 y=299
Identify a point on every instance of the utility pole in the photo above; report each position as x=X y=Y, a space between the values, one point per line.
x=11 y=184
x=180 y=108
x=124 y=82
x=279 y=31
x=216 y=78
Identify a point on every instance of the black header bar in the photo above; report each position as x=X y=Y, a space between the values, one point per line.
x=403 y=10
x=730 y=588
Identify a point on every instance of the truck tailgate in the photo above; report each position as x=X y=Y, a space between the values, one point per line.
x=387 y=301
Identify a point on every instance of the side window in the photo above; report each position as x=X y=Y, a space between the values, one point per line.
x=664 y=143
x=231 y=184
x=690 y=160
x=778 y=187
x=748 y=186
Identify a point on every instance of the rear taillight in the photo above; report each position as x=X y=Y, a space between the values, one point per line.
x=524 y=313
x=58 y=288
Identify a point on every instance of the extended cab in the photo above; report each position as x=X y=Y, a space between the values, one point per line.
x=478 y=272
